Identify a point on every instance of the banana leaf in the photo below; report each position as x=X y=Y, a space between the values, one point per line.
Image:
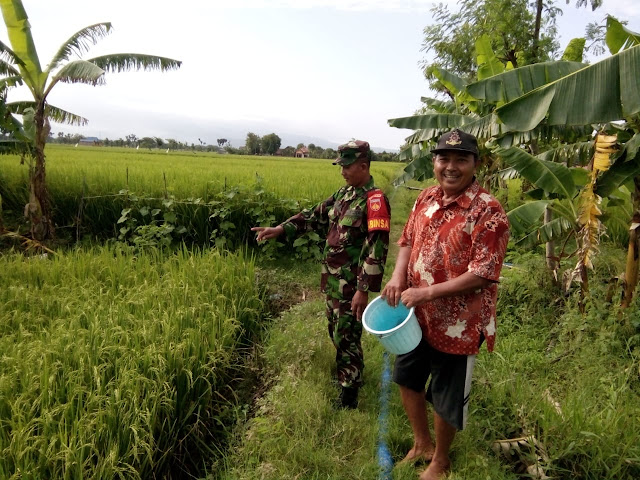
x=431 y=121
x=454 y=83
x=557 y=228
x=512 y=84
x=457 y=86
x=603 y=92
x=631 y=147
x=619 y=37
x=421 y=168
x=439 y=106
x=619 y=174
x=488 y=63
x=524 y=216
x=21 y=39
x=551 y=177
x=574 y=51
x=570 y=154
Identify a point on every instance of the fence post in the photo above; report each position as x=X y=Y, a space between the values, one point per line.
x=81 y=207
x=166 y=195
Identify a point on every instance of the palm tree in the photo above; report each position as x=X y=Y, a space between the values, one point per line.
x=20 y=64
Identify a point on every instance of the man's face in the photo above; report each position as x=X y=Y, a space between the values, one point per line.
x=454 y=171
x=356 y=174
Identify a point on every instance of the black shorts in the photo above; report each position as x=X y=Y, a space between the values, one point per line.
x=450 y=380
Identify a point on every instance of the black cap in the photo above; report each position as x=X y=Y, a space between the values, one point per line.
x=457 y=140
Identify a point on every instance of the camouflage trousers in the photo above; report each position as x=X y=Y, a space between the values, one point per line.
x=345 y=332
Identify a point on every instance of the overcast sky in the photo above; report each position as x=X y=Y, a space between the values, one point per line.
x=328 y=70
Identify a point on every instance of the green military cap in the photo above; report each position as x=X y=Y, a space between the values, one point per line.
x=352 y=151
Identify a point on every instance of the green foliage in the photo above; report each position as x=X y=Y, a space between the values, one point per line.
x=619 y=37
x=563 y=377
x=205 y=206
x=552 y=102
x=157 y=228
x=252 y=144
x=574 y=51
x=508 y=25
x=488 y=64
x=117 y=365
x=270 y=143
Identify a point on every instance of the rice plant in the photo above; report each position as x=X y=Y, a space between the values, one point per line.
x=118 y=366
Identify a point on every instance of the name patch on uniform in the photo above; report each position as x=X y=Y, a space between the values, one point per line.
x=378 y=217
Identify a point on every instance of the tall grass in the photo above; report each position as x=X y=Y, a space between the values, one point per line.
x=118 y=366
x=570 y=381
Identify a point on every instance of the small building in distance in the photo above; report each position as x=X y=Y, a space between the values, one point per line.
x=90 y=141
x=302 y=152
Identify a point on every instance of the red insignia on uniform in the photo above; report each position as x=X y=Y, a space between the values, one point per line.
x=378 y=217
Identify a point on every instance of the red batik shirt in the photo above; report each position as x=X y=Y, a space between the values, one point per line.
x=469 y=234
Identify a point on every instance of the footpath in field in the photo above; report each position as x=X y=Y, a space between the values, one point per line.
x=540 y=407
x=295 y=430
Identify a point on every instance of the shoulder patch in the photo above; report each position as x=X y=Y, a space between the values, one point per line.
x=378 y=217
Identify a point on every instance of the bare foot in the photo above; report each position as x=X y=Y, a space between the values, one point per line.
x=435 y=471
x=419 y=454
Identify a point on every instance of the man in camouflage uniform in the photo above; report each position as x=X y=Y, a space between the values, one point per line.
x=357 y=220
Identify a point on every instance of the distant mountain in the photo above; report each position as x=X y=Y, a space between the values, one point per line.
x=190 y=130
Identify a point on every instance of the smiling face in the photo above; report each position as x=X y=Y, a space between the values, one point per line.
x=356 y=174
x=454 y=171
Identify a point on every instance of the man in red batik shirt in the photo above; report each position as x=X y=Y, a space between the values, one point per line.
x=448 y=266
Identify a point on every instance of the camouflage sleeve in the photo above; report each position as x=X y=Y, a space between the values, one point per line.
x=310 y=219
x=373 y=258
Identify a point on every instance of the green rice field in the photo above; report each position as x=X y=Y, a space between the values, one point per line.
x=214 y=198
x=123 y=362
x=119 y=366
x=108 y=170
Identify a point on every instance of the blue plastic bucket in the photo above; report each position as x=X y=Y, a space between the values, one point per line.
x=397 y=328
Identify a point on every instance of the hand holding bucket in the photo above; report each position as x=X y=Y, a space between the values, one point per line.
x=397 y=327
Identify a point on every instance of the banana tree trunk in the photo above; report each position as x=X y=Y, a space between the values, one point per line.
x=633 y=253
x=550 y=248
x=38 y=210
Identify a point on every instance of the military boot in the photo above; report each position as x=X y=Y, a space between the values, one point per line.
x=349 y=397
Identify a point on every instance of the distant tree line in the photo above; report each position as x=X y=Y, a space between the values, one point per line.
x=254 y=145
x=133 y=141
x=270 y=145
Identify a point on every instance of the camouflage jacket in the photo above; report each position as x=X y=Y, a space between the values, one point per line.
x=357 y=243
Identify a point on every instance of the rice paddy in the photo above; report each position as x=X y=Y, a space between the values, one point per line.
x=118 y=366
x=118 y=361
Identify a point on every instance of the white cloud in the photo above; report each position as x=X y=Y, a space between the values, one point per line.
x=623 y=9
x=417 y=6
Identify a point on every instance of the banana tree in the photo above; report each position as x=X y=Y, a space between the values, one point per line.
x=473 y=105
x=570 y=193
x=20 y=64
x=606 y=91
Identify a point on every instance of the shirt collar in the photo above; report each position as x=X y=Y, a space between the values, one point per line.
x=366 y=187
